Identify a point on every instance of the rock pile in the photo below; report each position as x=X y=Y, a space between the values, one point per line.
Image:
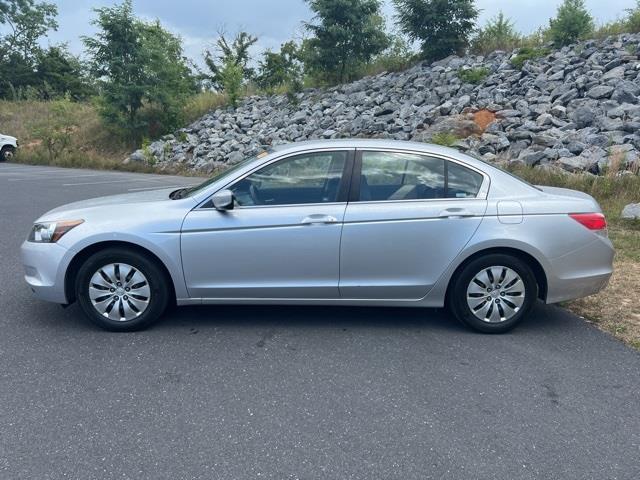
x=577 y=108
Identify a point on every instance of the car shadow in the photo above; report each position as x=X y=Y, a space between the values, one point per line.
x=202 y=318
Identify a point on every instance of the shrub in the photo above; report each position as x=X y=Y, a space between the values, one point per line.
x=633 y=18
x=445 y=139
x=473 y=76
x=55 y=128
x=528 y=53
x=572 y=23
x=397 y=57
x=231 y=76
x=497 y=34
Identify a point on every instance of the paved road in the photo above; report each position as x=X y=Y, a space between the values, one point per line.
x=296 y=393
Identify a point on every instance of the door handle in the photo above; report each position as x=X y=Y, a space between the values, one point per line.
x=318 y=220
x=456 y=213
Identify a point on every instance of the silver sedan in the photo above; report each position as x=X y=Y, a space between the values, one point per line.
x=349 y=222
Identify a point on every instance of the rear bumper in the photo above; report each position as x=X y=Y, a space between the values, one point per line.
x=44 y=267
x=581 y=273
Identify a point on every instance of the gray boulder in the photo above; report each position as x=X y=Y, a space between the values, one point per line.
x=631 y=211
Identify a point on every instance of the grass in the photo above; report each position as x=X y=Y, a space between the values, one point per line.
x=474 y=76
x=445 y=139
x=616 y=309
x=202 y=103
x=528 y=53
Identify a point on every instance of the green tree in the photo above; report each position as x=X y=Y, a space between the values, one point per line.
x=443 y=27
x=281 y=69
x=498 y=34
x=25 y=23
x=226 y=53
x=58 y=73
x=346 y=34
x=138 y=65
x=572 y=23
x=169 y=78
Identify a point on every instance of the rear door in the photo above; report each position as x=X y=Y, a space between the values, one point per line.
x=408 y=217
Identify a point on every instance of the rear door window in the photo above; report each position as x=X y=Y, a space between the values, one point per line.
x=401 y=176
x=462 y=182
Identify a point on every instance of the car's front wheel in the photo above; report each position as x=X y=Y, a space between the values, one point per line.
x=120 y=290
x=492 y=294
x=7 y=153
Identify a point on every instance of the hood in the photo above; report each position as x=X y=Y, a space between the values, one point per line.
x=112 y=200
x=8 y=138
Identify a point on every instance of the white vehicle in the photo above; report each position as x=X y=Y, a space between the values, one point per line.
x=8 y=146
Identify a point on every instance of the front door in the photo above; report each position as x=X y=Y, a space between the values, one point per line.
x=409 y=217
x=282 y=239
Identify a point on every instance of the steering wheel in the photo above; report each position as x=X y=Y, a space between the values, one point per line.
x=253 y=191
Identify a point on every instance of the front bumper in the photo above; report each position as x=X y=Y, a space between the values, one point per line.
x=45 y=267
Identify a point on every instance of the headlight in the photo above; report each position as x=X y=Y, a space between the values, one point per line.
x=51 y=232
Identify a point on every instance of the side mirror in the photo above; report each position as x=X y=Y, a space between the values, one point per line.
x=223 y=200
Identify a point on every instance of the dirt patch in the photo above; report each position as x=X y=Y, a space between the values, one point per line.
x=484 y=118
x=616 y=309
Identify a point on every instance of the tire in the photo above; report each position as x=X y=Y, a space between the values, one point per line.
x=7 y=153
x=493 y=294
x=122 y=279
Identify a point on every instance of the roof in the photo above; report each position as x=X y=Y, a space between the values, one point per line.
x=365 y=143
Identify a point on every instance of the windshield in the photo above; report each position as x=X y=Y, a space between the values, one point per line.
x=221 y=174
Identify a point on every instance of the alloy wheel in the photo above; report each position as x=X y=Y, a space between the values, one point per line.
x=119 y=292
x=496 y=294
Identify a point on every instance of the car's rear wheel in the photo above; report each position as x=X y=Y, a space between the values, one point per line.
x=120 y=290
x=492 y=294
x=7 y=153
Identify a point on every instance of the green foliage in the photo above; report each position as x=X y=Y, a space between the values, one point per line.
x=231 y=77
x=442 y=26
x=498 y=34
x=281 y=69
x=28 y=22
x=26 y=69
x=346 y=34
x=633 y=18
x=474 y=76
x=58 y=73
x=396 y=57
x=226 y=53
x=572 y=23
x=139 y=65
x=528 y=53
x=54 y=130
x=445 y=139
x=169 y=80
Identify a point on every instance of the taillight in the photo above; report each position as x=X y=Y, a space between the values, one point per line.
x=593 y=221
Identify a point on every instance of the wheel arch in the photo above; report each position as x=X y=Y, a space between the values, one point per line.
x=530 y=260
x=80 y=257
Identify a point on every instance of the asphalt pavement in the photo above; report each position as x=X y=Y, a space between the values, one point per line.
x=292 y=392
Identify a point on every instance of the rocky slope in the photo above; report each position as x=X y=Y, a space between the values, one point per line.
x=577 y=109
